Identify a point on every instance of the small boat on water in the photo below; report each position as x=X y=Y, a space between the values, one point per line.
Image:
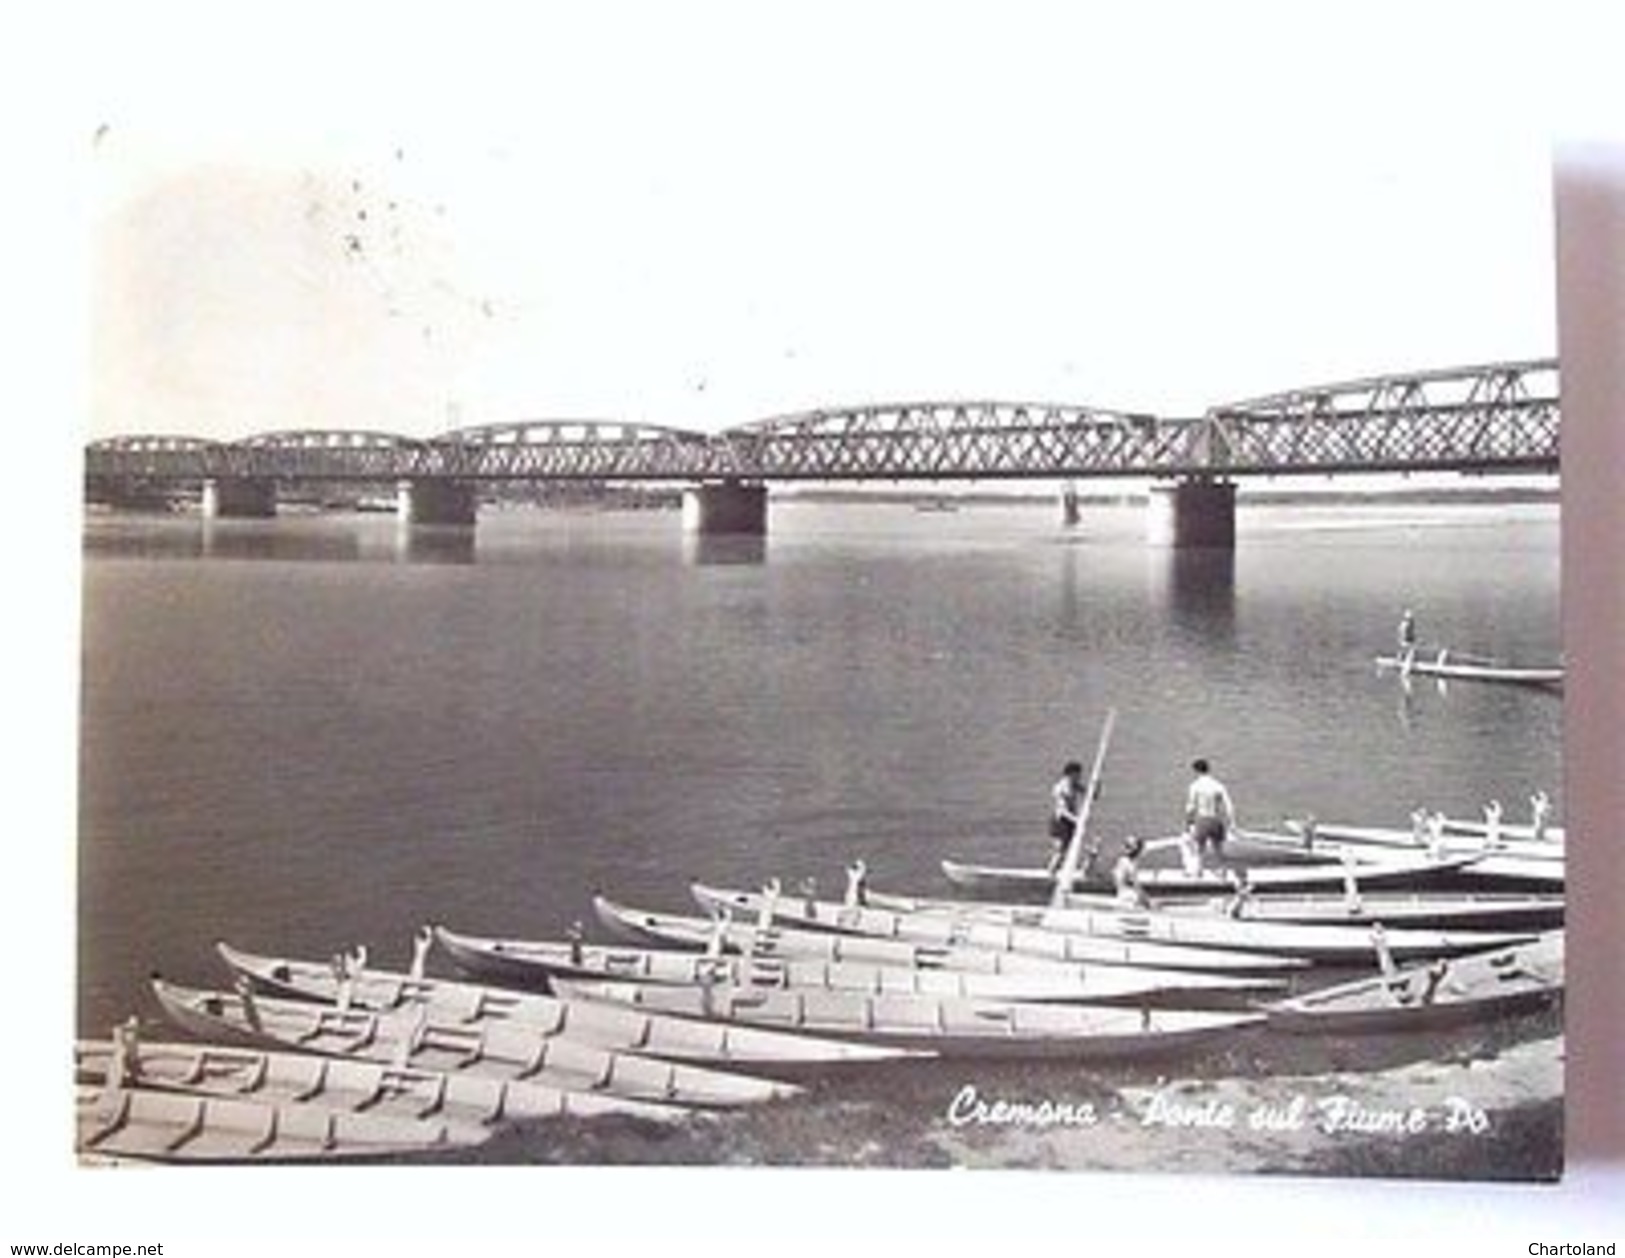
x=1469 y=668
x=468 y=1107
x=535 y=963
x=1326 y=941
x=670 y=1039
x=1444 y=992
x=948 y=1026
x=143 y=1124
x=493 y=1050
x=644 y=926
x=1394 y=870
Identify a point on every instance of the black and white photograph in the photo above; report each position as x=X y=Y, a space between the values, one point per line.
x=743 y=592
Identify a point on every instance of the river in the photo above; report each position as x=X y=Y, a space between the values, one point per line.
x=311 y=732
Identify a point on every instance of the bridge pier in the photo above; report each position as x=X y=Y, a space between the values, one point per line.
x=435 y=502
x=239 y=497
x=1193 y=513
x=729 y=507
x=1071 y=512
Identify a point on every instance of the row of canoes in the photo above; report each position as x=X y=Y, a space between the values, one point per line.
x=741 y=1006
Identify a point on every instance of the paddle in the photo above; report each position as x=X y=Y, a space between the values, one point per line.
x=1068 y=872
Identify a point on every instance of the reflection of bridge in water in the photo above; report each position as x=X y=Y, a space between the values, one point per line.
x=1496 y=418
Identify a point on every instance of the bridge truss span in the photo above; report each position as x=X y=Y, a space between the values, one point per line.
x=596 y=450
x=984 y=439
x=1503 y=417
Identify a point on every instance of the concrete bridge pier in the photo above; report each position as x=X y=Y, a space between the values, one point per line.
x=1193 y=513
x=1071 y=513
x=727 y=507
x=435 y=502
x=239 y=497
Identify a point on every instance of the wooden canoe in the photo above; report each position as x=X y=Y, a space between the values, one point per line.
x=1327 y=941
x=624 y=1030
x=948 y=1026
x=534 y=963
x=1463 y=989
x=1047 y=945
x=142 y=1124
x=1359 y=840
x=1392 y=870
x=467 y=1106
x=493 y=1050
x=645 y=926
x=1015 y=925
x=1514 y=912
x=1464 y=669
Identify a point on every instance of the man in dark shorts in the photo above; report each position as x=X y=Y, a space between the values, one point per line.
x=1066 y=800
x=1209 y=814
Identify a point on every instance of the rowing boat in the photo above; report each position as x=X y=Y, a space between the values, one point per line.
x=1515 y=912
x=1021 y=928
x=1357 y=841
x=1464 y=989
x=1462 y=669
x=1521 y=864
x=948 y=1026
x=144 y=1124
x=1392 y=870
x=757 y=1052
x=467 y=1106
x=492 y=1050
x=813 y=916
x=1325 y=941
x=534 y=963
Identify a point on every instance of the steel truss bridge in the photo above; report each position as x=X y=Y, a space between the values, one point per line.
x=1495 y=418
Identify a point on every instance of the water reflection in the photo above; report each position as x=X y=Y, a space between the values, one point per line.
x=724 y=549
x=1199 y=589
x=428 y=543
x=252 y=539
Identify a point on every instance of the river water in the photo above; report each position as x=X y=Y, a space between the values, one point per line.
x=311 y=732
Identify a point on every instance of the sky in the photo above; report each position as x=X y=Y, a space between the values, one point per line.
x=705 y=215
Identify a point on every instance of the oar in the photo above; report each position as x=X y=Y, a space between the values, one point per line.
x=1074 y=848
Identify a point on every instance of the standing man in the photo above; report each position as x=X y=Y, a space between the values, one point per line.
x=1407 y=635
x=1066 y=802
x=1209 y=814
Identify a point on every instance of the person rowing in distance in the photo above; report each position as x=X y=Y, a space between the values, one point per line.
x=1407 y=640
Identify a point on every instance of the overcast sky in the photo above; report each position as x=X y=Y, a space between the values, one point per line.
x=705 y=217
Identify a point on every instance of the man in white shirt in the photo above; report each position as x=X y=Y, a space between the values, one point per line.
x=1209 y=814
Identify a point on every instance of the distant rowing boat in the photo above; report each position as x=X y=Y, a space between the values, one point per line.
x=1465 y=669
